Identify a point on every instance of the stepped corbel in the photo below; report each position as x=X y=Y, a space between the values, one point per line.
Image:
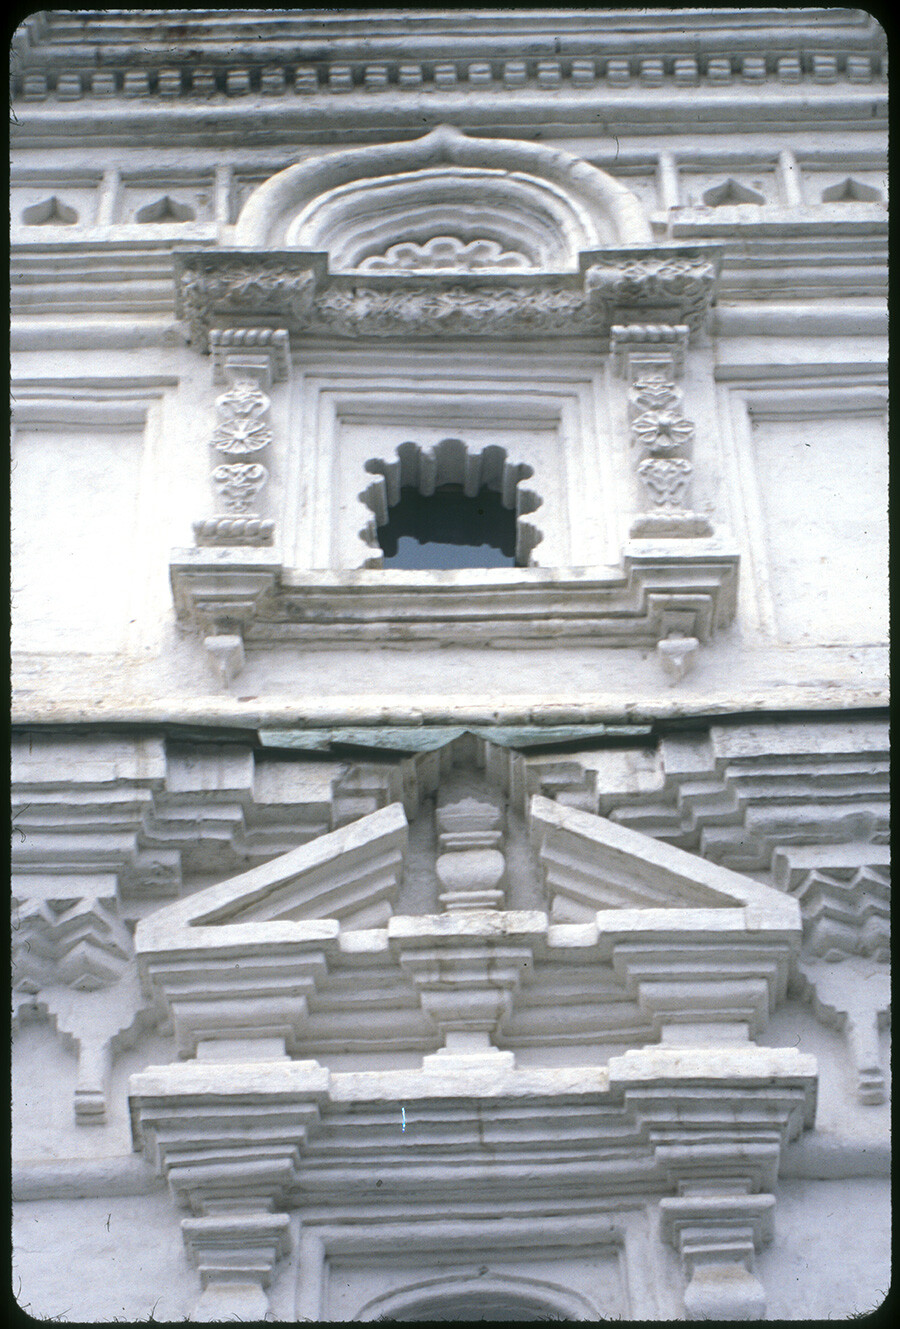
x=72 y=964
x=844 y=895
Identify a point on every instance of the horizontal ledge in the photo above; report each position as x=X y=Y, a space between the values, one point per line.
x=423 y=709
x=826 y=1158
x=87 y=333
x=83 y=1178
x=821 y=318
x=813 y=1158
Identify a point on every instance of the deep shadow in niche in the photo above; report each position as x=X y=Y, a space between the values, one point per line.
x=448 y=529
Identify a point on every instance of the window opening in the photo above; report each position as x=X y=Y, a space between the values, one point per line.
x=448 y=529
x=446 y=507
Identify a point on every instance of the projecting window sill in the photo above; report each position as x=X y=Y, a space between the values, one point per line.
x=685 y=587
x=460 y=578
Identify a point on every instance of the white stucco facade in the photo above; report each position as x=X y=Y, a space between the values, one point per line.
x=482 y=942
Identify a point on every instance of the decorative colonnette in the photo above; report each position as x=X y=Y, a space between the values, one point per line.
x=249 y=360
x=651 y=357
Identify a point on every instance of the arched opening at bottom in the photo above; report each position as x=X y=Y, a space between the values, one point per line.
x=470 y=1306
x=448 y=529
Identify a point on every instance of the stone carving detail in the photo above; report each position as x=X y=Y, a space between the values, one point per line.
x=234 y=531
x=238 y=484
x=653 y=395
x=854 y=997
x=443 y=252
x=81 y=943
x=66 y=953
x=231 y=347
x=846 y=911
x=242 y=425
x=250 y=360
x=662 y=432
x=677 y=655
x=251 y=290
x=649 y=348
x=293 y=287
x=650 y=282
x=666 y=480
x=664 y=436
x=487 y=311
x=470 y=866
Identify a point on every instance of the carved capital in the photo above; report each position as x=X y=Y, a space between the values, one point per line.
x=683 y=283
x=267 y=351
x=642 y=349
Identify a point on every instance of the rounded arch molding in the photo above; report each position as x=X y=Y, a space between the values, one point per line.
x=525 y=199
x=490 y=1296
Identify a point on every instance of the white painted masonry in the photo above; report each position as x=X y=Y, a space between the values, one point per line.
x=456 y=943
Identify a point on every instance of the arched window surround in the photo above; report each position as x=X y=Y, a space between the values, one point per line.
x=543 y=202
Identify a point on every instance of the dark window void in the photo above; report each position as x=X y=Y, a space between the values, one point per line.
x=447 y=529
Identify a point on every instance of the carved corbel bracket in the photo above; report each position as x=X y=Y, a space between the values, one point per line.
x=641 y=286
x=716 y=1237
x=236 y=1255
x=220 y=592
x=853 y=995
x=754 y=1102
x=190 y=1119
x=260 y=352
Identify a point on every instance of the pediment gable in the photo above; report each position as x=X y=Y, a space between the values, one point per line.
x=592 y=864
x=684 y=941
x=351 y=874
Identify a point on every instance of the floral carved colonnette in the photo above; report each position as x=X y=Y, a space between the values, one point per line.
x=296 y=289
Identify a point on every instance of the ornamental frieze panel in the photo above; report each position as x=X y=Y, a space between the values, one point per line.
x=295 y=290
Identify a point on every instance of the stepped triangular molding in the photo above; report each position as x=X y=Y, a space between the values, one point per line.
x=352 y=874
x=592 y=864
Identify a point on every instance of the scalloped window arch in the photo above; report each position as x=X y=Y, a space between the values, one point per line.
x=443 y=485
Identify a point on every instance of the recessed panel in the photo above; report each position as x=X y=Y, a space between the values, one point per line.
x=823 y=489
x=74 y=508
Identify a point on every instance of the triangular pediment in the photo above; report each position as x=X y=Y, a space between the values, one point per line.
x=590 y=864
x=351 y=874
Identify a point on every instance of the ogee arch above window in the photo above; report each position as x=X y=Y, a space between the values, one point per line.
x=540 y=204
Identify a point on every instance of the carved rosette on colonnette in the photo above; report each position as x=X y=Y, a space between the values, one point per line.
x=651 y=358
x=248 y=360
